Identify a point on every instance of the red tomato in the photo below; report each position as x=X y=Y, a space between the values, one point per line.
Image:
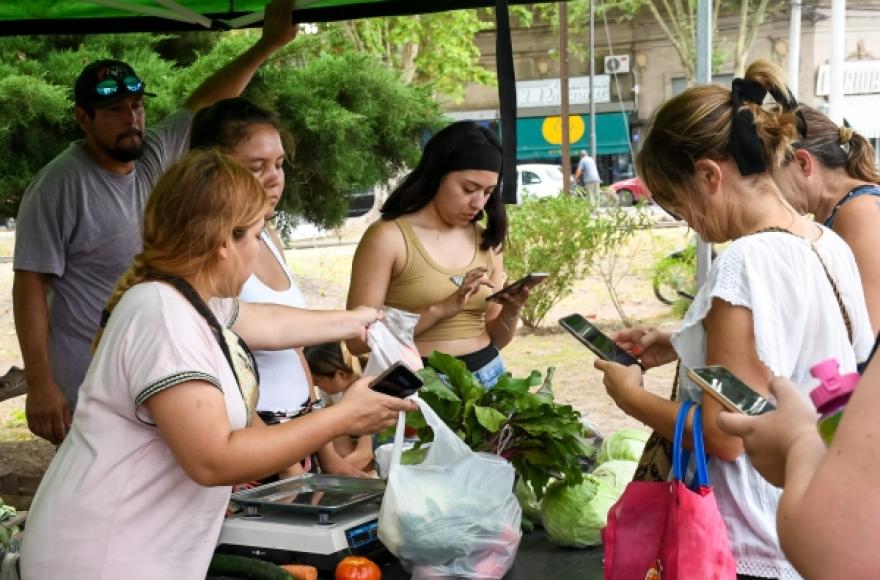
x=358 y=568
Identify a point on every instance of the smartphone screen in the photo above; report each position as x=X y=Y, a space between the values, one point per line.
x=595 y=340
x=398 y=381
x=726 y=387
x=527 y=281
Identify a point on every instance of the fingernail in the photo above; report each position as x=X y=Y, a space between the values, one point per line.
x=636 y=349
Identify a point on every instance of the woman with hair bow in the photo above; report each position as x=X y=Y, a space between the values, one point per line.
x=784 y=295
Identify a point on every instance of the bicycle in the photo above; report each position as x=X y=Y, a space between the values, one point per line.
x=675 y=275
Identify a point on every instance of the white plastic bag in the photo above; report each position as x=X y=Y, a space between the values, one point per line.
x=454 y=515
x=391 y=340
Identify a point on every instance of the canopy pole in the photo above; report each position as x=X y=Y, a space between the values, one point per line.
x=704 y=76
x=564 y=125
x=507 y=100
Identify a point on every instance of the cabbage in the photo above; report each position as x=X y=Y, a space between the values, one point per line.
x=626 y=444
x=616 y=473
x=574 y=515
x=530 y=505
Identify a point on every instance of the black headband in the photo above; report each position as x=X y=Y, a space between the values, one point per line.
x=745 y=145
x=481 y=157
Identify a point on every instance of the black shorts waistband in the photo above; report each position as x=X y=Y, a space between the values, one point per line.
x=476 y=360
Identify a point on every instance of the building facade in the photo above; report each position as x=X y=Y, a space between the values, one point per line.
x=637 y=69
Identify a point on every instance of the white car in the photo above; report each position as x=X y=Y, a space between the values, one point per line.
x=538 y=180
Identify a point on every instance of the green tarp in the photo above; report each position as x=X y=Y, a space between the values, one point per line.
x=537 y=139
x=18 y=17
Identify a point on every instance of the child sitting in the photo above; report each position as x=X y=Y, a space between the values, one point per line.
x=333 y=370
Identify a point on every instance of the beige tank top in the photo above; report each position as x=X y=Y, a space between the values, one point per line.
x=423 y=282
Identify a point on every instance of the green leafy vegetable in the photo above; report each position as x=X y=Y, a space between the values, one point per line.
x=625 y=444
x=540 y=438
x=616 y=473
x=574 y=515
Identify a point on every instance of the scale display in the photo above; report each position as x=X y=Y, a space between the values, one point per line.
x=312 y=493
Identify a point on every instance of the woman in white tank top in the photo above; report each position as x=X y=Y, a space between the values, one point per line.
x=252 y=136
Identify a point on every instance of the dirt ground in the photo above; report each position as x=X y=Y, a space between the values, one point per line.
x=322 y=272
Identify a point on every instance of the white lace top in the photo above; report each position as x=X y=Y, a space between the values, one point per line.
x=797 y=323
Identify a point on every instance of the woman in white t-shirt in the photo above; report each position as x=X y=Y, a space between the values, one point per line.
x=785 y=294
x=251 y=135
x=165 y=422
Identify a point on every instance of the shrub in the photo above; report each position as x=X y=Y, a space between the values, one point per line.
x=561 y=236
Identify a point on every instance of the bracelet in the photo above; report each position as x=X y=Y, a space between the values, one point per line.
x=504 y=324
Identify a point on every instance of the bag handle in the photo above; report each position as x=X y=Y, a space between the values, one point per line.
x=445 y=449
x=681 y=456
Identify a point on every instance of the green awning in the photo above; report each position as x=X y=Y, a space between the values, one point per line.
x=539 y=137
x=21 y=17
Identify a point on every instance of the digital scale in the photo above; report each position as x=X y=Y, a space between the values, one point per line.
x=309 y=519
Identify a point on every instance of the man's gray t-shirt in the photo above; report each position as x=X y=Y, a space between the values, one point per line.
x=82 y=225
x=589 y=173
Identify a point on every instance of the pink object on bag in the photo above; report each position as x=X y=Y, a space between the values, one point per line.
x=664 y=530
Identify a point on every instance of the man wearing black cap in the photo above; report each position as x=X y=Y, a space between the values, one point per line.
x=78 y=227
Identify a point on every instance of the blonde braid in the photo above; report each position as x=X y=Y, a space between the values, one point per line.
x=138 y=272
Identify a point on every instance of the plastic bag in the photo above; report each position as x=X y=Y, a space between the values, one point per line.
x=454 y=515
x=392 y=339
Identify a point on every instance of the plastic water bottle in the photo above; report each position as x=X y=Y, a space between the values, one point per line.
x=832 y=395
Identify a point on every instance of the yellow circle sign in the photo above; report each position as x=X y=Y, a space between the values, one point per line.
x=551 y=129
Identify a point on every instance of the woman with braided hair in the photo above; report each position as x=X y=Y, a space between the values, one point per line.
x=784 y=295
x=165 y=423
x=832 y=174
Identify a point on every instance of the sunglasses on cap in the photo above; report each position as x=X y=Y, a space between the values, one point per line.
x=110 y=87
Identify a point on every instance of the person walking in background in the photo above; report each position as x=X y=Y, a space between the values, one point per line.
x=587 y=176
x=831 y=173
x=79 y=221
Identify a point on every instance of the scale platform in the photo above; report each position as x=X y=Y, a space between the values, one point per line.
x=309 y=519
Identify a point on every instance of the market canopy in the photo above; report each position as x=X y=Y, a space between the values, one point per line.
x=20 y=17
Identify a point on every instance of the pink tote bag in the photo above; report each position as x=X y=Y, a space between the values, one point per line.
x=666 y=530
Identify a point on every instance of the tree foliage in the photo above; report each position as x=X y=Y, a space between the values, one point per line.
x=675 y=18
x=353 y=119
x=435 y=51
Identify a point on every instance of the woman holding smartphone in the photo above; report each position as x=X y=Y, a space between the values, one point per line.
x=784 y=295
x=166 y=417
x=430 y=255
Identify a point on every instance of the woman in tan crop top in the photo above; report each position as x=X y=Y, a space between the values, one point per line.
x=429 y=255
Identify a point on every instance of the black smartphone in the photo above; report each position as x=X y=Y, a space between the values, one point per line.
x=595 y=340
x=527 y=281
x=398 y=380
x=733 y=394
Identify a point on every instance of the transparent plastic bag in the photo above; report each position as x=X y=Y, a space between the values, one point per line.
x=391 y=340
x=454 y=515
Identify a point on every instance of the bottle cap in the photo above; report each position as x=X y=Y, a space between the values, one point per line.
x=833 y=384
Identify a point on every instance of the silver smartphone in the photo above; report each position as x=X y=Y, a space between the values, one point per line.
x=733 y=394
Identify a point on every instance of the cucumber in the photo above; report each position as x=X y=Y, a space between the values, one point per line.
x=242 y=568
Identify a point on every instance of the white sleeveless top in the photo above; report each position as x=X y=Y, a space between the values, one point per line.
x=283 y=383
x=797 y=323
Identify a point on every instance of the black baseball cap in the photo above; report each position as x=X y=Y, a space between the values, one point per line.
x=105 y=82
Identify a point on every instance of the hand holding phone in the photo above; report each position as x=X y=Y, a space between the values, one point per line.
x=732 y=393
x=527 y=282
x=398 y=380
x=596 y=341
